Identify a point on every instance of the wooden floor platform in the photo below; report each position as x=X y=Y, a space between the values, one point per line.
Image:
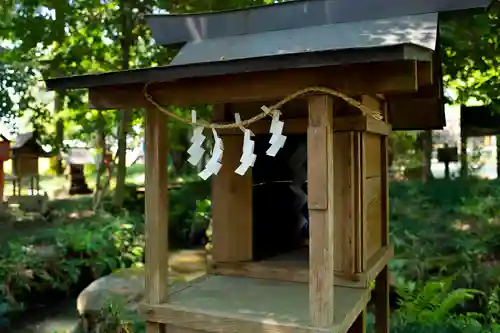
x=294 y=267
x=247 y=305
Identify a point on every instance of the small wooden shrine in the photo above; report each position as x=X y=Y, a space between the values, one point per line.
x=347 y=78
x=25 y=152
x=4 y=156
x=76 y=159
x=476 y=121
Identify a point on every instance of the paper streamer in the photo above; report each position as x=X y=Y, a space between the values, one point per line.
x=247 y=159
x=277 y=140
x=214 y=163
x=196 y=150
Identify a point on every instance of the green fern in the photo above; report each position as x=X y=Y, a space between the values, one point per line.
x=434 y=303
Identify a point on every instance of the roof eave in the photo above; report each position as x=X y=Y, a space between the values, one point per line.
x=292 y=61
x=173 y=29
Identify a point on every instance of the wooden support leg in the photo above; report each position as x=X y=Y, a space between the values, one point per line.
x=156 y=211
x=382 y=310
x=320 y=201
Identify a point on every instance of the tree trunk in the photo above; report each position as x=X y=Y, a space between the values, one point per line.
x=59 y=99
x=58 y=107
x=426 y=155
x=101 y=148
x=464 y=165
x=121 y=168
x=125 y=115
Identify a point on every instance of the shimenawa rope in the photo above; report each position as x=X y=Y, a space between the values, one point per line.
x=244 y=123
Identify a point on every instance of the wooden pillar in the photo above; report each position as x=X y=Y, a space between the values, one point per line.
x=382 y=310
x=156 y=211
x=321 y=208
x=232 y=205
x=347 y=208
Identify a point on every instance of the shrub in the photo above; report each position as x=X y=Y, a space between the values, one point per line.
x=83 y=249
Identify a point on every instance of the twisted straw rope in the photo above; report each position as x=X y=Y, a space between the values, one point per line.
x=244 y=123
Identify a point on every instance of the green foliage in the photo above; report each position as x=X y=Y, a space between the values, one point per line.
x=438 y=308
x=446 y=228
x=433 y=304
x=98 y=244
x=470 y=55
x=404 y=152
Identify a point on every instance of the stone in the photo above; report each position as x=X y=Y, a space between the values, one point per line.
x=30 y=203
x=126 y=288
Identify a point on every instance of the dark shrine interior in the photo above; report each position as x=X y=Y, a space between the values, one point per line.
x=280 y=212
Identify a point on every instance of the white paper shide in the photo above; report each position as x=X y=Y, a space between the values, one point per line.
x=196 y=150
x=247 y=159
x=214 y=163
x=277 y=140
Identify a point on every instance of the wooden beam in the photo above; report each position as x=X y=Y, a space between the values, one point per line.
x=299 y=126
x=415 y=114
x=208 y=320
x=298 y=271
x=320 y=175
x=156 y=211
x=231 y=204
x=356 y=79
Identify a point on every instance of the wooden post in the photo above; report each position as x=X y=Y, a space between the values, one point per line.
x=156 y=211
x=382 y=311
x=232 y=205
x=321 y=203
x=347 y=186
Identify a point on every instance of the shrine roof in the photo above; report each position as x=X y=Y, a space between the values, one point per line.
x=29 y=139
x=80 y=156
x=480 y=120
x=180 y=28
x=295 y=34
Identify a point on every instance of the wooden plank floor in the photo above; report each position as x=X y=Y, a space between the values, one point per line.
x=267 y=300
